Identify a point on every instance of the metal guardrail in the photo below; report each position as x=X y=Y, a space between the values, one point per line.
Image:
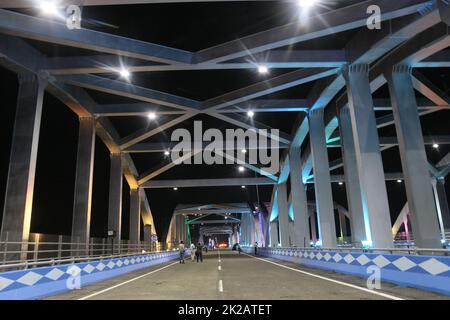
x=410 y=251
x=30 y=254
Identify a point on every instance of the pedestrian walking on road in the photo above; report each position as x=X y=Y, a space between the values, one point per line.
x=256 y=248
x=199 y=252
x=182 y=251
x=193 y=252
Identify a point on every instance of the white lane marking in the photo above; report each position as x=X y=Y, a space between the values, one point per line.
x=220 y=286
x=385 y=295
x=219 y=267
x=125 y=282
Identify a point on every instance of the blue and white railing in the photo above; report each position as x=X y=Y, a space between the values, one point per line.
x=428 y=271
x=62 y=276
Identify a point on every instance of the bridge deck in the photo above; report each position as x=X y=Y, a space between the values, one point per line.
x=227 y=275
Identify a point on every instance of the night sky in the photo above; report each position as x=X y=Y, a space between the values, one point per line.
x=189 y=27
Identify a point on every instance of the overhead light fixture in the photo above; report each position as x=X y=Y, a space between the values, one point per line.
x=175 y=189
x=250 y=113
x=399 y=181
x=263 y=69
x=242 y=187
x=124 y=73
x=244 y=151
x=435 y=146
x=152 y=116
x=48 y=7
x=341 y=183
x=167 y=152
x=241 y=169
x=306 y=3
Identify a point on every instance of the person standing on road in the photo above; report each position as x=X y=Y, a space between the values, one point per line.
x=182 y=251
x=199 y=252
x=256 y=248
x=193 y=254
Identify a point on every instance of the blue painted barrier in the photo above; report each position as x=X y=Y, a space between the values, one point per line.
x=46 y=281
x=430 y=273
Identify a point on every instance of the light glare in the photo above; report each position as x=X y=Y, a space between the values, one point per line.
x=263 y=69
x=152 y=116
x=48 y=7
x=250 y=114
x=124 y=73
x=306 y=3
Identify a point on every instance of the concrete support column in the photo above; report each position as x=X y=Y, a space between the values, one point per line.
x=135 y=217
x=274 y=234
x=147 y=233
x=252 y=229
x=440 y=205
x=443 y=203
x=343 y=225
x=368 y=157
x=352 y=184
x=81 y=222
x=115 y=197
x=424 y=218
x=322 y=179
x=313 y=227
x=283 y=214
x=22 y=164
x=299 y=200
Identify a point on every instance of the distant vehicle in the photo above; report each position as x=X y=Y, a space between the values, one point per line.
x=223 y=245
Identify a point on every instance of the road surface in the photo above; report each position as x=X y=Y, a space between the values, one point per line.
x=225 y=274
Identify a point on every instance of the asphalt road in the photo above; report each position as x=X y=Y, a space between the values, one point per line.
x=227 y=275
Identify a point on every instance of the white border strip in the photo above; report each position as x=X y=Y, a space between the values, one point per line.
x=385 y=295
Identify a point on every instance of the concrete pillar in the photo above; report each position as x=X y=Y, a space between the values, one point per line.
x=147 y=233
x=135 y=217
x=443 y=203
x=252 y=229
x=313 y=226
x=274 y=234
x=322 y=179
x=439 y=206
x=352 y=184
x=283 y=214
x=81 y=222
x=22 y=164
x=299 y=200
x=424 y=218
x=115 y=197
x=343 y=225
x=368 y=157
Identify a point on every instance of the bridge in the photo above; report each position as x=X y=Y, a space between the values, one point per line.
x=305 y=151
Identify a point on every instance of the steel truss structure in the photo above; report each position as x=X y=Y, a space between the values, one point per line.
x=414 y=33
